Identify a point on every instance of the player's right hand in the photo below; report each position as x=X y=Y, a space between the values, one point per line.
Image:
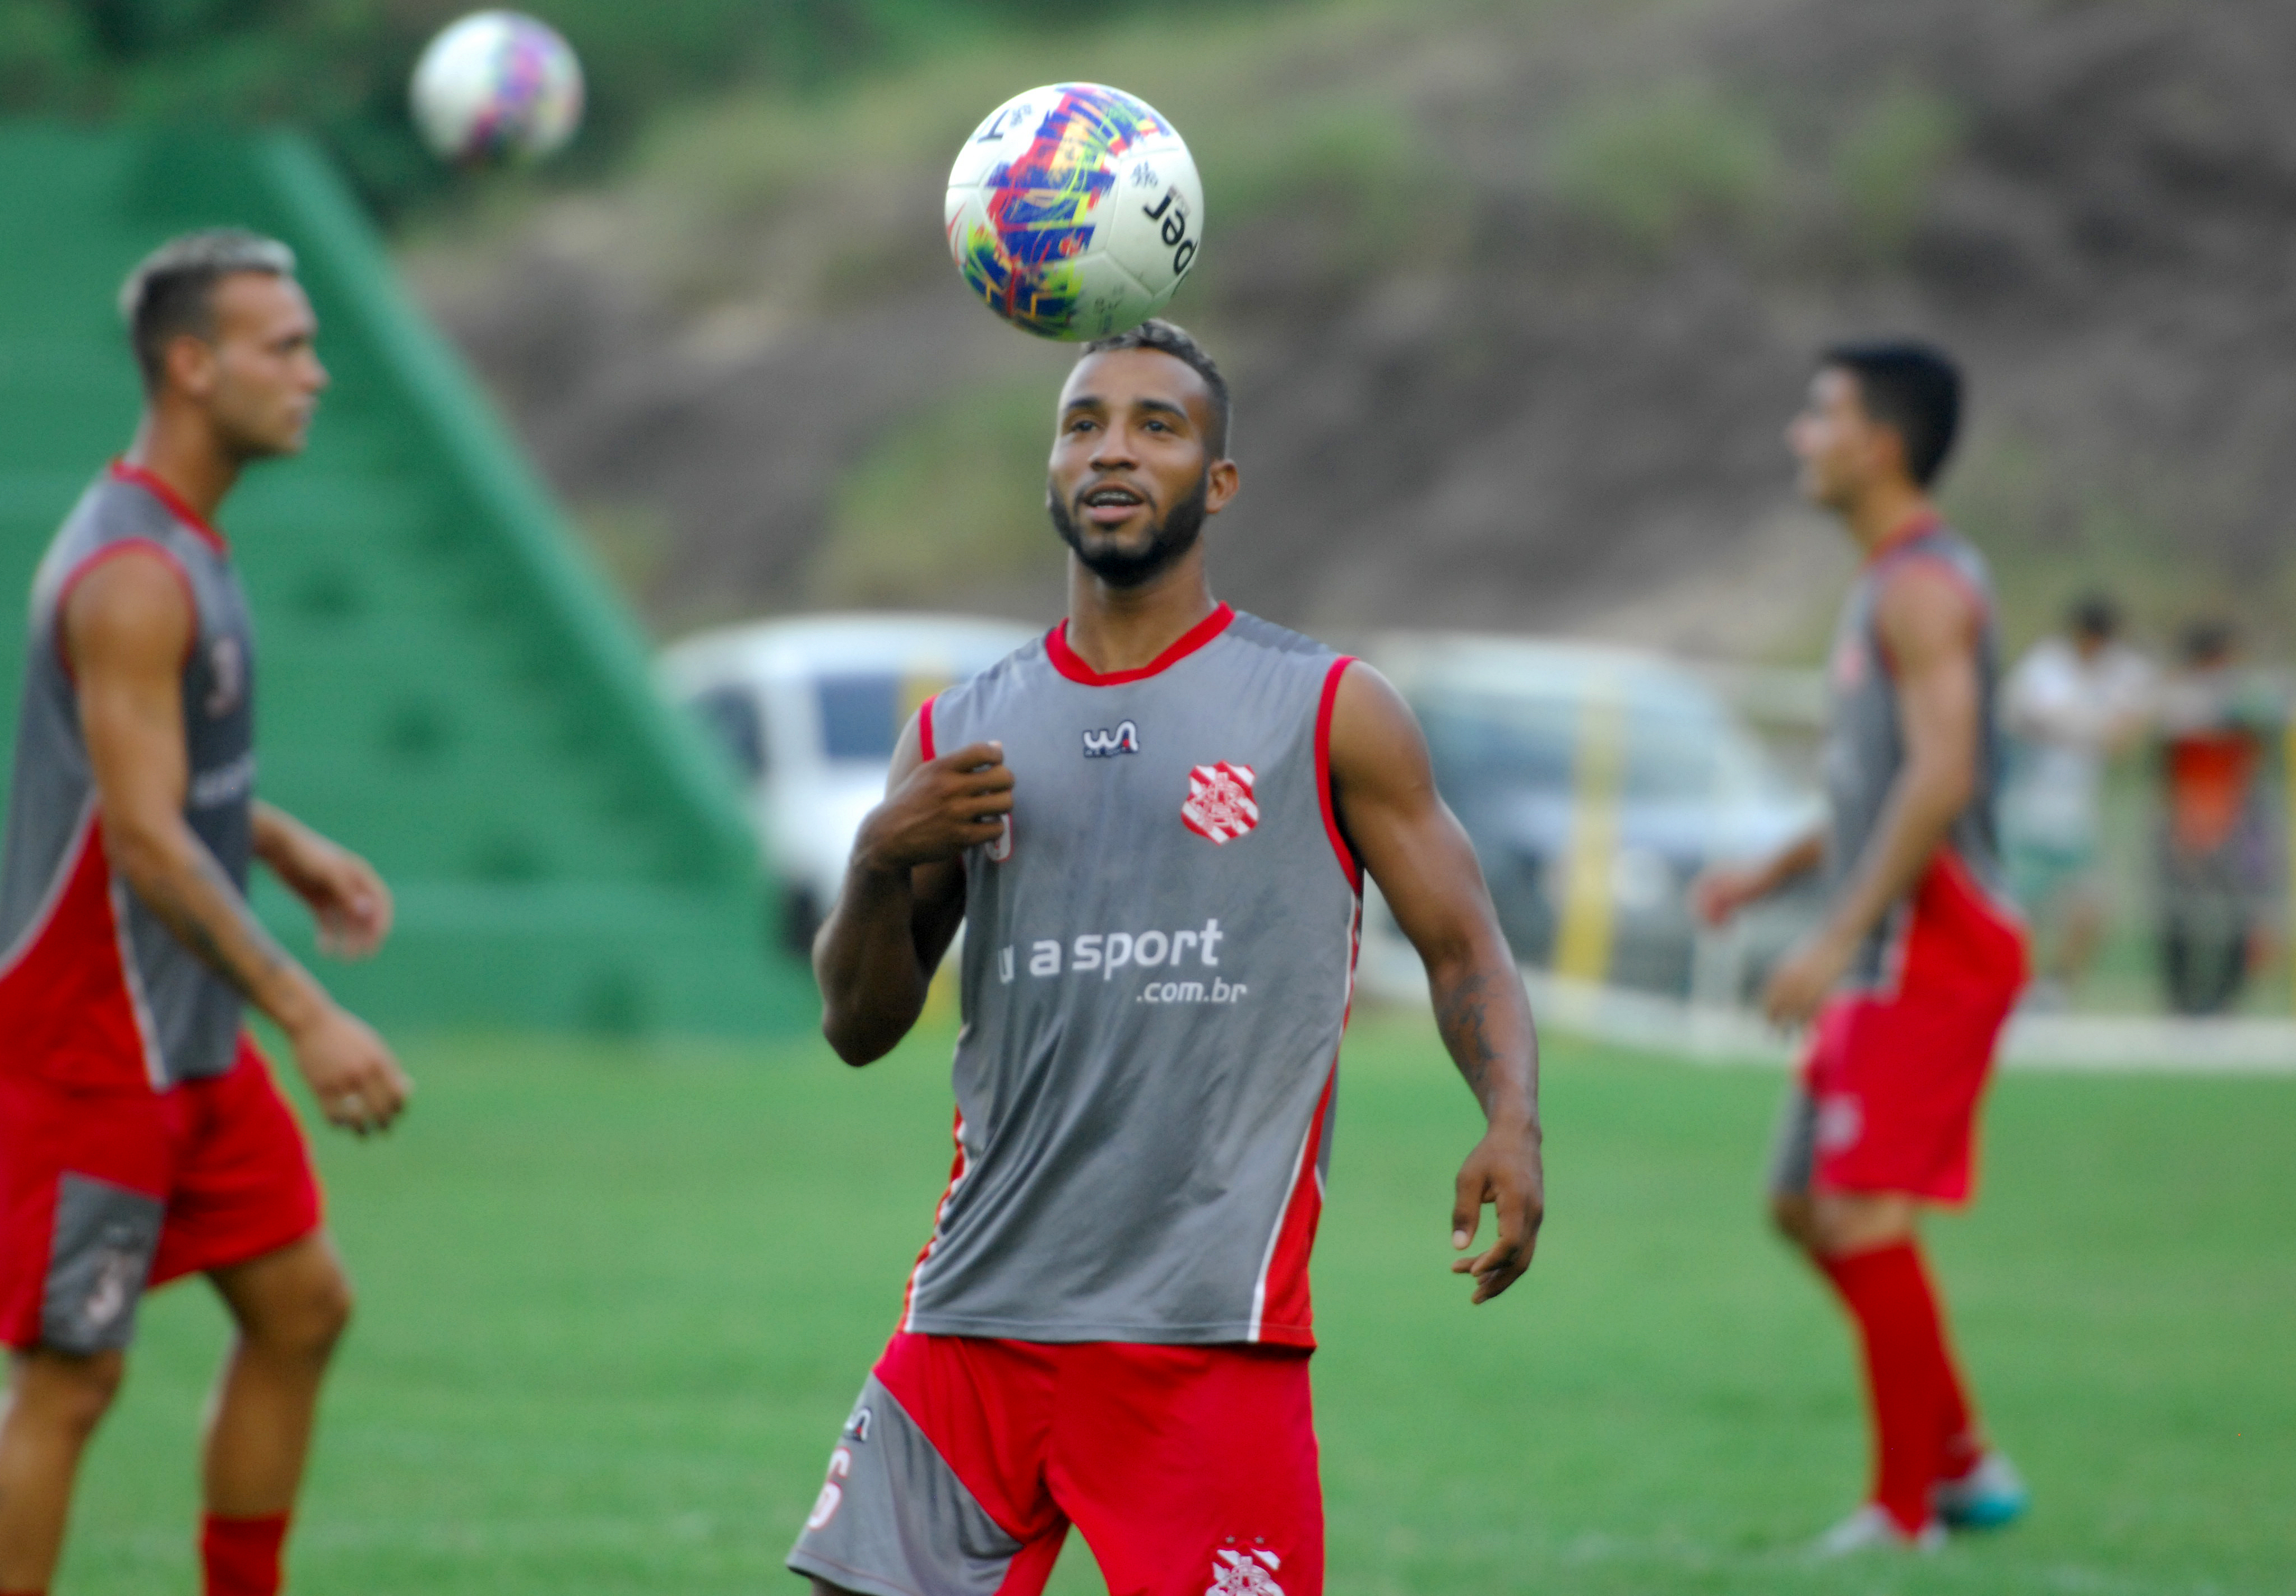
x=1721 y=890
x=359 y=1084
x=944 y=806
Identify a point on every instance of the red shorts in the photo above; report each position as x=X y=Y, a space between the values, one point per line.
x=106 y=1192
x=1190 y=1471
x=1894 y=1076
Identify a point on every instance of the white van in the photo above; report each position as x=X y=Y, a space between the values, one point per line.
x=808 y=710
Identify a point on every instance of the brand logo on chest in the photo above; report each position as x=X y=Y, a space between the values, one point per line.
x=1219 y=806
x=1106 y=744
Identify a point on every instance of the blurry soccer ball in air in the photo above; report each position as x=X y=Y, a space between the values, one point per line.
x=1074 y=210
x=497 y=87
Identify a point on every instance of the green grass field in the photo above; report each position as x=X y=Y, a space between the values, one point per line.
x=616 y=1301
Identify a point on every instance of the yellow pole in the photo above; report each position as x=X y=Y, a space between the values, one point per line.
x=1598 y=772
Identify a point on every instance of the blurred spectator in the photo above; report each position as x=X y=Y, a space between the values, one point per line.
x=2216 y=861
x=2074 y=702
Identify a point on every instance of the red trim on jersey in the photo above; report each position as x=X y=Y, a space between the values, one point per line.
x=1349 y=865
x=65 y=1004
x=151 y=482
x=1901 y=558
x=1066 y=660
x=1283 y=1314
x=1920 y=524
x=957 y=1171
x=925 y=727
x=86 y=568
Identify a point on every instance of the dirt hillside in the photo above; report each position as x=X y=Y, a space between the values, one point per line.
x=1516 y=298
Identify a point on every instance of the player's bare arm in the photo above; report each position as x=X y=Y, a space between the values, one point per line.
x=904 y=895
x=1418 y=852
x=128 y=626
x=345 y=895
x=1930 y=624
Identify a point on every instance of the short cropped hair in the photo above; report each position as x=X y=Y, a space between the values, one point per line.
x=1911 y=388
x=2095 y=614
x=1166 y=338
x=172 y=291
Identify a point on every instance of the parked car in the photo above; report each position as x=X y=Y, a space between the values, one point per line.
x=810 y=710
x=1529 y=737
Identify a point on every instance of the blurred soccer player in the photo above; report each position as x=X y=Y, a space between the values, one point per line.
x=141 y=1136
x=2073 y=702
x=1917 y=961
x=2216 y=856
x=1151 y=826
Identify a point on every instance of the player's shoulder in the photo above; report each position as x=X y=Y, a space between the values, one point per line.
x=1248 y=631
x=1016 y=671
x=110 y=509
x=1939 y=570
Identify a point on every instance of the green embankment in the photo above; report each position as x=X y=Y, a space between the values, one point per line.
x=616 y=1302
x=443 y=684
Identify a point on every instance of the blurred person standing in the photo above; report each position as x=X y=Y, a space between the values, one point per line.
x=142 y=1136
x=2073 y=703
x=2216 y=856
x=1906 y=981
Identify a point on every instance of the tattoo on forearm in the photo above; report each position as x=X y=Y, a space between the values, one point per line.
x=248 y=968
x=1463 y=1018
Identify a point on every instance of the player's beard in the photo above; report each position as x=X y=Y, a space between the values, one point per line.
x=1168 y=538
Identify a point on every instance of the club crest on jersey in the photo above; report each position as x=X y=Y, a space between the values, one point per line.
x=1220 y=806
x=1244 y=1574
x=1107 y=744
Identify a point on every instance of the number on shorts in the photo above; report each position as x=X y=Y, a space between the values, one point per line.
x=833 y=1495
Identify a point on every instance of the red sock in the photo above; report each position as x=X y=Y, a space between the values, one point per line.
x=241 y=1556
x=1959 y=1446
x=1908 y=1373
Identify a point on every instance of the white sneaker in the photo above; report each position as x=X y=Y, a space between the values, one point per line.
x=1871 y=1529
x=1988 y=1496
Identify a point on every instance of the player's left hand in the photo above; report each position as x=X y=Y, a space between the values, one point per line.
x=345 y=895
x=1804 y=979
x=1506 y=1171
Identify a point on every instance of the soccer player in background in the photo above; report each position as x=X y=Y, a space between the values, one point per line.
x=141 y=1135
x=1908 y=980
x=2216 y=856
x=2075 y=701
x=1151 y=826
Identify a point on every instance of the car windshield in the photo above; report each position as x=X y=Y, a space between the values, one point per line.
x=861 y=714
x=731 y=715
x=1480 y=741
x=1679 y=744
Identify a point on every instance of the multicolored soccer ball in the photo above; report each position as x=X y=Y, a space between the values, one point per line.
x=1074 y=211
x=497 y=87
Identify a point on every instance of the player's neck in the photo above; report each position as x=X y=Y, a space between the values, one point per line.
x=184 y=454
x=1114 y=629
x=1884 y=512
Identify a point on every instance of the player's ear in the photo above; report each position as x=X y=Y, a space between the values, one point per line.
x=1220 y=483
x=188 y=364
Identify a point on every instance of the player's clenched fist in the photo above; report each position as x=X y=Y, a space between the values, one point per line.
x=958 y=801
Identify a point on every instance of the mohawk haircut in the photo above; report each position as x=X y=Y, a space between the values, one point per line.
x=172 y=291
x=1168 y=337
x=1911 y=388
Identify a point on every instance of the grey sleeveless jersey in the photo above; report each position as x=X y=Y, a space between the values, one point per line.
x=1157 y=964
x=1865 y=744
x=90 y=973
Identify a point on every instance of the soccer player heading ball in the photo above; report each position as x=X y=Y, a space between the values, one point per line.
x=1151 y=826
x=141 y=1136
x=1908 y=978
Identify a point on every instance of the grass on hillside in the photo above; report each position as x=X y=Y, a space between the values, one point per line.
x=616 y=1301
